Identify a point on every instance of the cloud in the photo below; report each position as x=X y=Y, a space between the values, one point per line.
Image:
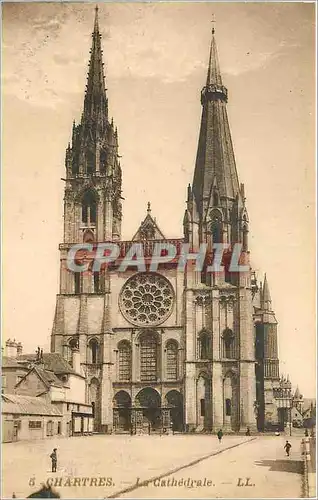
x=51 y=53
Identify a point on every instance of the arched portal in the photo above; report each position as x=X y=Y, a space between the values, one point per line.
x=148 y=410
x=122 y=411
x=174 y=401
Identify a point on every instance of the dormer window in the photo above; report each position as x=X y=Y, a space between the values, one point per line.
x=228 y=344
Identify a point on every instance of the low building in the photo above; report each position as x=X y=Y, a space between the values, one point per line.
x=49 y=377
x=27 y=417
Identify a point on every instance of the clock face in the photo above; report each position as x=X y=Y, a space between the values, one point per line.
x=146 y=299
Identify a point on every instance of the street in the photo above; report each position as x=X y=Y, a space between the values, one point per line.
x=258 y=469
x=192 y=466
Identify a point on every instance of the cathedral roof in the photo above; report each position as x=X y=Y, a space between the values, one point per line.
x=266 y=300
x=148 y=229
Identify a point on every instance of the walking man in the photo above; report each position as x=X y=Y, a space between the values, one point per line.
x=53 y=457
x=220 y=435
x=287 y=448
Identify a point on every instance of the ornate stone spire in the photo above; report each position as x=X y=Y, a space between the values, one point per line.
x=92 y=162
x=95 y=103
x=215 y=168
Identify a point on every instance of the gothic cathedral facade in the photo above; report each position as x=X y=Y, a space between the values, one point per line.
x=178 y=348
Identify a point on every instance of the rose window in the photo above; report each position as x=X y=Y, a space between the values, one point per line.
x=146 y=299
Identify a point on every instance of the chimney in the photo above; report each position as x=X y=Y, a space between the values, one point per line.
x=19 y=348
x=76 y=360
x=11 y=348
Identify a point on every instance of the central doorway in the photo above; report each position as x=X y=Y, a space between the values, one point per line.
x=148 y=410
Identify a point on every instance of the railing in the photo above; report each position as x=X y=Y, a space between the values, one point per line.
x=124 y=247
x=149 y=245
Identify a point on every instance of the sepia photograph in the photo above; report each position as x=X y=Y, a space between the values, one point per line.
x=158 y=250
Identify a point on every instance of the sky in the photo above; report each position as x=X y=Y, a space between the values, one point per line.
x=155 y=57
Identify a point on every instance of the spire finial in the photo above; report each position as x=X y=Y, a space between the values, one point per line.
x=214 y=74
x=213 y=23
x=148 y=207
x=96 y=28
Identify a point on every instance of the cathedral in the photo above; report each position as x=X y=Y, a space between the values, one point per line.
x=178 y=348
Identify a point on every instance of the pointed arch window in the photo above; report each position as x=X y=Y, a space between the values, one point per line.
x=93 y=348
x=96 y=282
x=103 y=161
x=72 y=344
x=149 y=358
x=215 y=198
x=204 y=345
x=88 y=236
x=228 y=344
x=124 y=361
x=91 y=162
x=89 y=208
x=228 y=407
x=216 y=227
x=77 y=283
x=172 y=360
x=245 y=237
x=216 y=230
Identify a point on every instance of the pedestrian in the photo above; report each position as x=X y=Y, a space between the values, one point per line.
x=287 y=447
x=53 y=457
x=306 y=433
x=248 y=432
x=220 y=435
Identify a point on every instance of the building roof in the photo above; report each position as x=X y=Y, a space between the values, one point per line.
x=52 y=361
x=8 y=362
x=27 y=405
x=48 y=378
